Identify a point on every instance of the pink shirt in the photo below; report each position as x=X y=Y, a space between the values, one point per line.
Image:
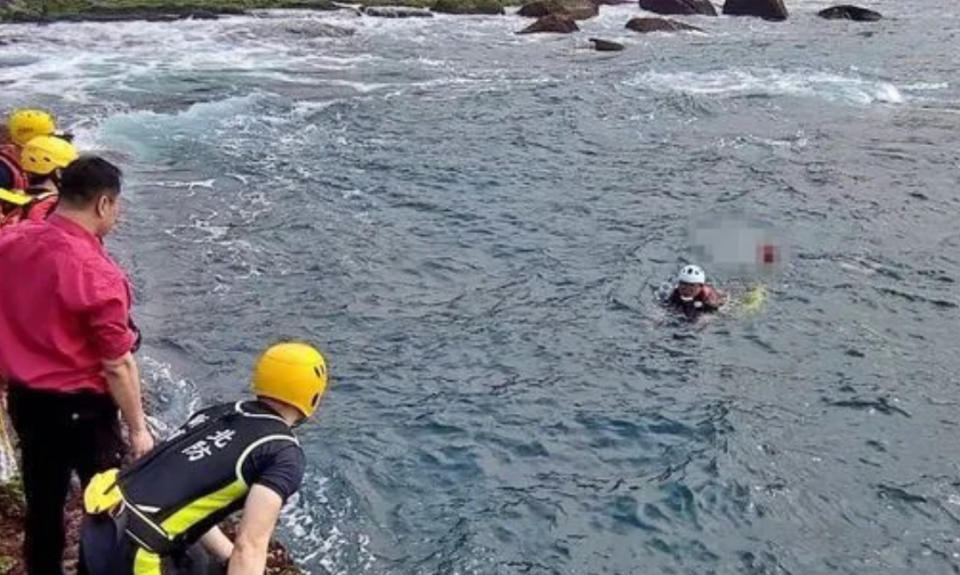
x=64 y=307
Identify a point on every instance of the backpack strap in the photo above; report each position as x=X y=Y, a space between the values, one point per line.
x=20 y=181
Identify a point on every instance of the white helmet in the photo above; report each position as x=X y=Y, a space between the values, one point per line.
x=692 y=275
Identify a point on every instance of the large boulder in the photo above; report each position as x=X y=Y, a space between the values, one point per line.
x=576 y=9
x=766 y=9
x=606 y=45
x=476 y=7
x=683 y=7
x=396 y=12
x=556 y=23
x=645 y=25
x=848 y=12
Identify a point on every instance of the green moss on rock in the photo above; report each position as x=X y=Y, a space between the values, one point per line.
x=12 y=502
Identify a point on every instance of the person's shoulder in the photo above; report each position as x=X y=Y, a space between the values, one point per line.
x=281 y=450
x=97 y=267
x=710 y=290
x=712 y=296
x=26 y=233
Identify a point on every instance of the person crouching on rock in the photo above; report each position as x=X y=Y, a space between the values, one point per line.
x=693 y=294
x=160 y=515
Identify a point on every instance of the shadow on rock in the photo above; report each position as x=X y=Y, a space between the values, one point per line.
x=647 y=25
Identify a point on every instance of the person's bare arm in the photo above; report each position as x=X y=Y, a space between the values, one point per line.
x=715 y=299
x=218 y=544
x=123 y=379
x=260 y=513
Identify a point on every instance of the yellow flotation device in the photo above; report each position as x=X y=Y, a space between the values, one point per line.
x=753 y=299
x=102 y=494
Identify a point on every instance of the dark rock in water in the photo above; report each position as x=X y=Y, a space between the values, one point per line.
x=555 y=23
x=880 y=404
x=848 y=12
x=315 y=5
x=645 y=25
x=606 y=45
x=576 y=9
x=467 y=7
x=682 y=7
x=203 y=15
x=766 y=9
x=899 y=494
x=396 y=12
x=613 y=2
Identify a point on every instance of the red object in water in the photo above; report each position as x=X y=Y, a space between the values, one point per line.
x=767 y=253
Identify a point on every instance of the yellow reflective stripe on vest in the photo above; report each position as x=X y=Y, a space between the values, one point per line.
x=199 y=509
x=146 y=563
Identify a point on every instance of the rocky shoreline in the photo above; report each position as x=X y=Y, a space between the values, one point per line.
x=560 y=14
x=42 y=12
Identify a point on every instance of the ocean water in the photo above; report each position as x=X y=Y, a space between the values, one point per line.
x=473 y=225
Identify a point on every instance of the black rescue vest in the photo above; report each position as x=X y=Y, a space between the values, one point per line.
x=193 y=480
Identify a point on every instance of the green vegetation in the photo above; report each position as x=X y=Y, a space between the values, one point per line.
x=12 y=502
x=12 y=513
x=74 y=10
x=114 y=10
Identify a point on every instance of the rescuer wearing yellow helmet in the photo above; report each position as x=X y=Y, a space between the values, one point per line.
x=22 y=126
x=42 y=160
x=25 y=125
x=159 y=515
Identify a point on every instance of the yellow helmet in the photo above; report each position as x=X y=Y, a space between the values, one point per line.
x=294 y=373
x=25 y=125
x=45 y=154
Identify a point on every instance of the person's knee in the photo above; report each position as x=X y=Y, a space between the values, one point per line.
x=100 y=553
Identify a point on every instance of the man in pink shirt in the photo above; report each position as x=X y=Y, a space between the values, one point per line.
x=66 y=351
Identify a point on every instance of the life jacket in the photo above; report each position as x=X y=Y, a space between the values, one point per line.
x=703 y=301
x=10 y=158
x=168 y=499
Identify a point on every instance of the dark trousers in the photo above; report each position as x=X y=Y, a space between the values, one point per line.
x=59 y=434
x=106 y=550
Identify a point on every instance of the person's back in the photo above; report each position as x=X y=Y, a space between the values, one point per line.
x=192 y=481
x=37 y=256
x=148 y=518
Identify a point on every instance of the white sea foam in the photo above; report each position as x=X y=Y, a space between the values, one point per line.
x=814 y=84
